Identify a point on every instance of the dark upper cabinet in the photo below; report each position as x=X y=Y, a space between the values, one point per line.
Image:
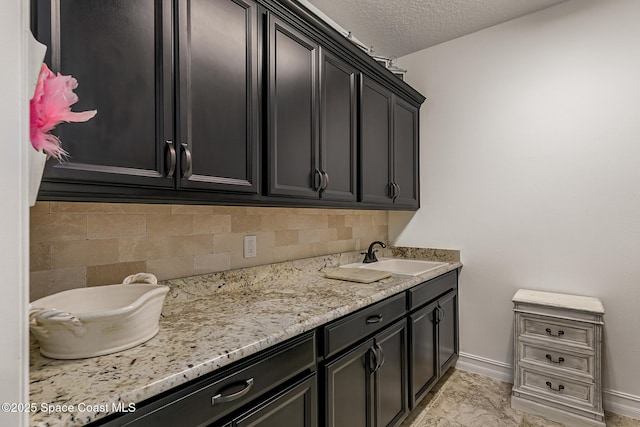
x=312 y=118
x=293 y=136
x=120 y=53
x=376 y=172
x=388 y=147
x=405 y=153
x=225 y=101
x=218 y=103
x=338 y=130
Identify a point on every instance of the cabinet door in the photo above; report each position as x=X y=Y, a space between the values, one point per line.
x=422 y=351
x=375 y=143
x=339 y=127
x=293 y=135
x=391 y=402
x=349 y=387
x=296 y=407
x=218 y=103
x=448 y=330
x=120 y=53
x=405 y=153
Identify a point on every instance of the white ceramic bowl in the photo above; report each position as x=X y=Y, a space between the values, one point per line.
x=97 y=320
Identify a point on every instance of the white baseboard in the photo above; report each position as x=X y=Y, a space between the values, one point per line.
x=621 y=403
x=486 y=367
x=614 y=401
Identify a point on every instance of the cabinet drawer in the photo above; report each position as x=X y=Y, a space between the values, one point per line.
x=428 y=291
x=568 y=332
x=294 y=406
x=557 y=359
x=340 y=334
x=557 y=388
x=207 y=401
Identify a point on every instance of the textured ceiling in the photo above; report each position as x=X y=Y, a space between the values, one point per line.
x=399 y=27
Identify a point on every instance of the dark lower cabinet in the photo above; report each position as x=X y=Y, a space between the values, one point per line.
x=367 y=386
x=391 y=381
x=348 y=382
x=423 y=354
x=296 y=407
x=365 y=369
x=448 y=330
x=433 y=343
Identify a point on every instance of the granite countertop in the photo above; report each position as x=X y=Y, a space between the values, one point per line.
x=208 y=322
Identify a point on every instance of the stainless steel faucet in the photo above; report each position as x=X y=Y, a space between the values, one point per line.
x=370 y=255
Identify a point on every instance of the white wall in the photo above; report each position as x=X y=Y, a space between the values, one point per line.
x=14 y=215
x=530 y=164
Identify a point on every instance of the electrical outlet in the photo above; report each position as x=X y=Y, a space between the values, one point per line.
x=250 y=247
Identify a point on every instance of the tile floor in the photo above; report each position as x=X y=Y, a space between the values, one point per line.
x=470 y=400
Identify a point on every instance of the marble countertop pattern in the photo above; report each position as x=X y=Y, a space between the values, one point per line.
x=207 y=322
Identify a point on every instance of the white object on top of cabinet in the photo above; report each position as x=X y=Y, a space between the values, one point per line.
x=557 y=357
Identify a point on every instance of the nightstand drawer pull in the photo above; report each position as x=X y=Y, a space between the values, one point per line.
x=550 y=359
x=560 y=387
x=559 y=334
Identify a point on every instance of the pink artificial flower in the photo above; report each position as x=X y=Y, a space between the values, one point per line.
x=51 y=105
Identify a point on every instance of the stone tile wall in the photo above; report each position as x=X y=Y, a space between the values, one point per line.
x=87 y=244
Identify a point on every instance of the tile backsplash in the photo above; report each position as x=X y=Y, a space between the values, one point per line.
x=86 y=244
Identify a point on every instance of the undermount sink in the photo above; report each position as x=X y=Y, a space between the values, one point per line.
x=408 y=267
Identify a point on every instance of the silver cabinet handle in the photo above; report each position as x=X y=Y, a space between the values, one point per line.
x=392 y=190
x=374 y=358
x=186 y=173
x=381 y=355
x=397 y=189
x=318 y=180
x=326 y=180
x=171 y=169
x=219 y=398
x=374 y=319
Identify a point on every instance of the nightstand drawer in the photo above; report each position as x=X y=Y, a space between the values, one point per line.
x=571 y=363
x=556 y=330
x=557 y=389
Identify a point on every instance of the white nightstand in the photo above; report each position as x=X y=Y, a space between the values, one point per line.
x=557 y=357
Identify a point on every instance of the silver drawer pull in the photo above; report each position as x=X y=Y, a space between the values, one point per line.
x=559 y=334
x=374 y=319
x=219 y=398
x=560 y=386
x=550 y=359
